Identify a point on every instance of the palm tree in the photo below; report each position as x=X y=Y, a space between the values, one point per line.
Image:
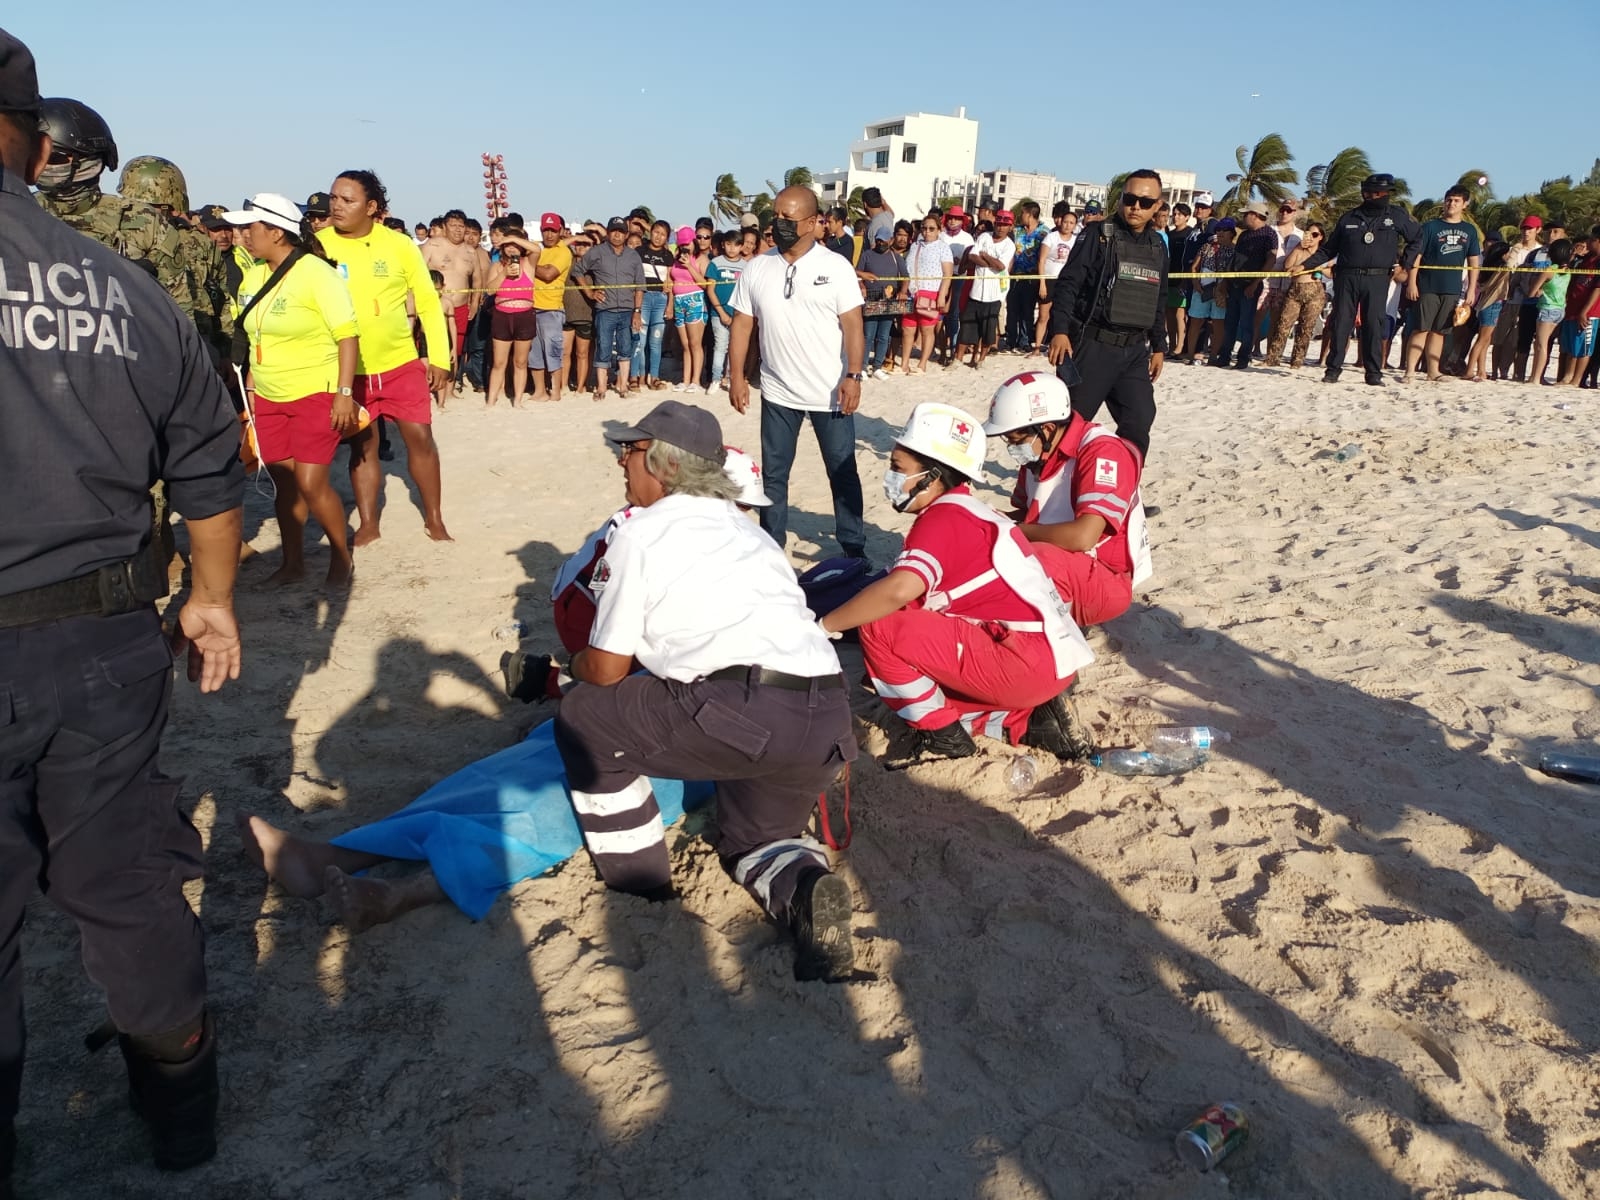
x=854 y=206
x=1334 y=187
x=760 y=204
x=1264 y=171
x=793 y=177
x=726 y=198
x=1114 y=190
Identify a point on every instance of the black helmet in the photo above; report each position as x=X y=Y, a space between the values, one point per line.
x=76 y=128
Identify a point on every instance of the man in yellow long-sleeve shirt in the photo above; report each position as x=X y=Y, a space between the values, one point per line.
x=380 y=267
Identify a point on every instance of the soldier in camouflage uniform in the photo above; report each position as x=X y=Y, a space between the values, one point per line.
x=159 y=184
x=69 y=189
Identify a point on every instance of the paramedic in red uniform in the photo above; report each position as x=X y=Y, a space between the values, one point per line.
x=1077 y=497
x=966 y=634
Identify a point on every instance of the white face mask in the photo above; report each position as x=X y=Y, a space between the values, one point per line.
x=894 y=487
x=1023 y=453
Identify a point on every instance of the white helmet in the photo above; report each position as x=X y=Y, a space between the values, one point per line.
x=1031 y=398
x=945 y=434
x=746 y=475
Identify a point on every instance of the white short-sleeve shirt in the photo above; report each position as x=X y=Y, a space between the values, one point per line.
x=988 y=285
x=691 y=585
x=802 y=345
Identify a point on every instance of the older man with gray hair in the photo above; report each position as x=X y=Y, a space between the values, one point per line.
x=740 y=686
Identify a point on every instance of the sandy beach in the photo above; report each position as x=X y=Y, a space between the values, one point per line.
x=1368 y=919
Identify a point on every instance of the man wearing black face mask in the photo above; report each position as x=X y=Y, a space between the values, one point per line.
x=807 y=302
x=1367 y=243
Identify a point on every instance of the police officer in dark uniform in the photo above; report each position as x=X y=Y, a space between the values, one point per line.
x=106 y=388
x=1108 y=326
x=1366 y=241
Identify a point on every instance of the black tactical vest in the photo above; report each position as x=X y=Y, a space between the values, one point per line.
x=1132 y=295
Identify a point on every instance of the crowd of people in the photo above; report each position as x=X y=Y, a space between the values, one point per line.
x=691 y=649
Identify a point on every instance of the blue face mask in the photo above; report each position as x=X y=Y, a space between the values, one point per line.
x=894 y=488
x=1022 y=453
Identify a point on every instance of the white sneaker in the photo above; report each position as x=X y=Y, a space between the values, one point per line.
x=677 y=387
x=880 y=373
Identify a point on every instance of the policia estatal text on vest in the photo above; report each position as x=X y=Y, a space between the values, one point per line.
x=1108 y=333
x=107 y=388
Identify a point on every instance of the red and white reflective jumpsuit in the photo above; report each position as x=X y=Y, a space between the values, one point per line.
x=570 y=594
x=988 y=642
x=1091 y=470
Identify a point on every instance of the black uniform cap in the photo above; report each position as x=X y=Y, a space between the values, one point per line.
x=1378 y=183
x=76 y=128
x=19 y=80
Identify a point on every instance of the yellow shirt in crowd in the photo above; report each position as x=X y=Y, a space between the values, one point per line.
x=551 y=297
x=380 y=269
x=296 y=329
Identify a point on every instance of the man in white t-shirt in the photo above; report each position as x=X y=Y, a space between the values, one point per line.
x=988 y=262
x=1288 y=231
x=740 y=686
x=955 y=235
x=808 y=306
x=1053 y=252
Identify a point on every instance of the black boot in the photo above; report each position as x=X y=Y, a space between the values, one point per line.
x=1052 y=729
x=527 y=676
x=931 y=745
x=1374 y=378
x=819 y=917
x=178 y=1101
x=1331 y=375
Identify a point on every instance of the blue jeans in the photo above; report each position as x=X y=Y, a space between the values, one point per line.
x=613 y=337
x=879 y=332
x=836 y=438
x=719 y=349
x=1238 y=328
x=653 y=328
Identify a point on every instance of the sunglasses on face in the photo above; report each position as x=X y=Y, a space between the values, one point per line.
x=1146 y=203
x=629 y=447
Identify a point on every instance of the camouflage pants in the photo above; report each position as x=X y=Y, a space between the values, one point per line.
x=1301 y=307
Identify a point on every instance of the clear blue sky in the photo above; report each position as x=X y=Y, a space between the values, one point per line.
x=247 y=103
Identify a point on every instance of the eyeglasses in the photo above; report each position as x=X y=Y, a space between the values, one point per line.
x=788 y=281
x=930 y=229
x=1146 y=203
x=702 y=237
x=1287 y=208
x=629 y=447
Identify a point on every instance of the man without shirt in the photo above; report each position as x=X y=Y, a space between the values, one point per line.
x=1445 y=242
x=457 y=261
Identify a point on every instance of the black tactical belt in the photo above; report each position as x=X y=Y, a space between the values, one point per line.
x=1363 y=270
x=1116 y=337
x=122 y=587
x=778 y=679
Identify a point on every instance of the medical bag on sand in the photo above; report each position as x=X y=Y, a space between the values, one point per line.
x=834 y=581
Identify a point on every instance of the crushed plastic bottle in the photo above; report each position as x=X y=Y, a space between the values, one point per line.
x=1347 y=452
x=1166 y=739
x=1570 y=766
x=1022 y=773
x=1128 y=761
x=511 y=631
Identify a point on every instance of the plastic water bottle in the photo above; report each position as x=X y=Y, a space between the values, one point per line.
x=1570 y=766
x=1168 y=739
x=1022 y=772
x=1347 y=452
x=1128 y=761
x=511 y=631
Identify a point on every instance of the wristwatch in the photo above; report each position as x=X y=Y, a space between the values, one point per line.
x=346 y=392
x=856 y=375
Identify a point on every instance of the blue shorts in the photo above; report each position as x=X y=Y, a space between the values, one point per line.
x=1489 y=314
x=1201 y=309
x=1577 y=337
x=1550 y=316
x=689 y=308
x=545 y=353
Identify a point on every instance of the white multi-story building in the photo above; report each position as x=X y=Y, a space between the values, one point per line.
x=1005 y=188
x=903 y=157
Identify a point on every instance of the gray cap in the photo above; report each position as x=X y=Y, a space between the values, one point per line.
x=1257 y=207
x=682 y=425
x=19 y=81
x=749 y=221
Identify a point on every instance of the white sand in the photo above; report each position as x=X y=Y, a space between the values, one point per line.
x=1369 y=920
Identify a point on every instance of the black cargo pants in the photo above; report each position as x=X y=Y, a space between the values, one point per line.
x=87 y=817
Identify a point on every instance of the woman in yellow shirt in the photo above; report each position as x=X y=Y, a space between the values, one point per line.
x=301 y=374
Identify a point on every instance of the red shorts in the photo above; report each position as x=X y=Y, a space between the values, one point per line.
x=1095 y=592
x=925 y=312
x=401 y=394
x=299 y=429
x=462 y=317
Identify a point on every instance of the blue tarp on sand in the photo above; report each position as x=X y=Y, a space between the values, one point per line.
x=501 y=820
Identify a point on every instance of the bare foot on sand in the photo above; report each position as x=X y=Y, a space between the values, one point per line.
x=437 y=531
x=292 y=863
x=365 y=536
x=340 y=575
x=285 y=575
x=360 y=903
